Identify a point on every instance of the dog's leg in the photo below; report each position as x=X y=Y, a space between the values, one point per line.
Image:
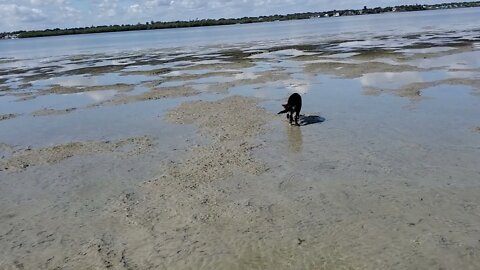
x=297 y=116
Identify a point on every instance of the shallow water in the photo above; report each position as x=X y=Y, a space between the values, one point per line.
x=399 y=144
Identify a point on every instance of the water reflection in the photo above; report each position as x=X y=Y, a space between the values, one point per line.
x=391 y=80
x=461 y=61
x=98 y=96
x=295 y=138
x=411 y=84
x=297 y=86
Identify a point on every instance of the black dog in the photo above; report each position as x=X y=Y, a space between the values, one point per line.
x=294 y=105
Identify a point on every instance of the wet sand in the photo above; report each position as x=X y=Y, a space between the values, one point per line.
x=25 y=158
x=181 y=162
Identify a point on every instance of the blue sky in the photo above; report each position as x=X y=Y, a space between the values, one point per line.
x=42 y=14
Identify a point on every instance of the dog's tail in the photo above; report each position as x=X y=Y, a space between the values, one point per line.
x=287 y=109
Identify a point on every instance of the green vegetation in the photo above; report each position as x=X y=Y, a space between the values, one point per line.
x=212 y=22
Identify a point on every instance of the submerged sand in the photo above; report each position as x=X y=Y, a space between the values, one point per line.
x=220 y=205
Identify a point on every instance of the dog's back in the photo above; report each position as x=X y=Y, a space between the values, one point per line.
x=294 y=105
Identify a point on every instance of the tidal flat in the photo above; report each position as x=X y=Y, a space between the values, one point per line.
x=176 y=158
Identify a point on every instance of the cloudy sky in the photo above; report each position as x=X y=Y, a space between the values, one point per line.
x=42 y=14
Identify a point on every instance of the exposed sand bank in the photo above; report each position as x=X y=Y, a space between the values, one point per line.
x=25 y=158
x=230 y=124
x=258 y=78
x=45 y=112
x=59 y=89
x=7 y=116
x=152 y=94
x=355 y=70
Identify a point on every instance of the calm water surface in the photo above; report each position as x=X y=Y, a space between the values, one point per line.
x=268 y=33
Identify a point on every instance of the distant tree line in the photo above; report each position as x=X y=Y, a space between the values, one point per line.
x=212 y=22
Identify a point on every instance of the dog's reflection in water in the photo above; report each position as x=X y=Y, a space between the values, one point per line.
x=294 y=133
x=295 y=139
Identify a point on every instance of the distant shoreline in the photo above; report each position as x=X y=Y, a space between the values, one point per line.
x=245 y=20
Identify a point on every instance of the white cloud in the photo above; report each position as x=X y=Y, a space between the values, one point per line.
x=37 y=14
